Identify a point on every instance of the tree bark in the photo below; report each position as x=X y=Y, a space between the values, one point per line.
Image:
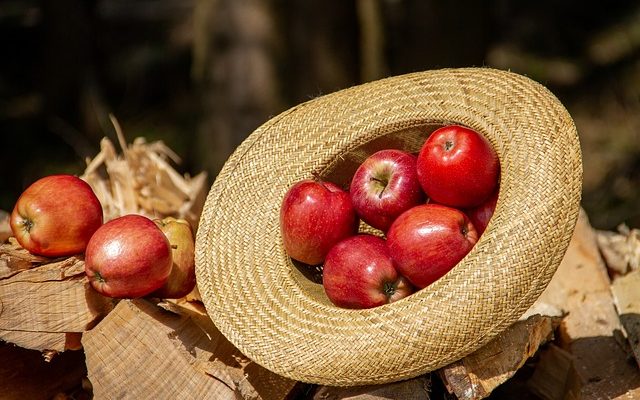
x=235 y=69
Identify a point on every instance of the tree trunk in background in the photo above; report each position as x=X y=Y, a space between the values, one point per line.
x=235 y=45
x=372 y=40
x=244 y=50
x=322 y=52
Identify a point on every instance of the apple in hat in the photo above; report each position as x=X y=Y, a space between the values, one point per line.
x=56 y=216
x=182 y=279
x=481 y=214
x=359 y=273
x=314 y=216
x=128 y=257
x=458 y=167
x=384 y=186
x=428 y=240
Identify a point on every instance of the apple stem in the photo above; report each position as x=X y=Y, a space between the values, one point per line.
x=99 y=277
x=27 y=224
x=384 y=184
x=389 y=289
x=448 y=145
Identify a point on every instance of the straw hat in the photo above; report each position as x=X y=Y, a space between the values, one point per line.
x=277 y=314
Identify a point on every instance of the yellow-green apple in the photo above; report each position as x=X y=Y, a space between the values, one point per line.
x=384 y=186
x=182 y=279
x=314 y=216
x=56 y=216
x=428 y=240
x=458 y=167
x=359 y=273
x=481 y=214
x=128 y=257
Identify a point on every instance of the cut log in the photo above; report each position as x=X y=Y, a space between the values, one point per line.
x=478 y=374
x=413 y=389
x=49 y=343
x=626 y=293
x=46 y=304
x=580 y=287
x=267 y=384
x=143 y=351
x=14 y=259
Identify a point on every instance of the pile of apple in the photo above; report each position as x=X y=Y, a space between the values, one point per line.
x=127 y=257
x=431 y=208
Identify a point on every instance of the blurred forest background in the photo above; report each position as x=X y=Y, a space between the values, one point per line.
x=203 y=74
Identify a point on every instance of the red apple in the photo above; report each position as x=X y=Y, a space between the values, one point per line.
x=56 y=216
x=458 y=167
x=384 y=186
x=182 y=279
x=429 y=240
x=359 y=273
x=314 y=216
x=481 y=215
x=128 y=257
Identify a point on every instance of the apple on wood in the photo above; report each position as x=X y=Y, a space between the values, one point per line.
x=314 y=216
x=182 y=279
x=384 y=186
x=359 y=273
x=56 y=216
x=458 y=167
x=428 y=240
x=128 y=257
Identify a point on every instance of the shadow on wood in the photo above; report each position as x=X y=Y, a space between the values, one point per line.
x=26 y=375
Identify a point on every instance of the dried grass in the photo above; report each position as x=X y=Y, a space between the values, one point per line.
x=141 y=180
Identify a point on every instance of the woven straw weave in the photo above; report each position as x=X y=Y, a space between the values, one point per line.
x=275 y=314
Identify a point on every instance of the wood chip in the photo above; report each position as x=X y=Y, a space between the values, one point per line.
x=620 y=250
